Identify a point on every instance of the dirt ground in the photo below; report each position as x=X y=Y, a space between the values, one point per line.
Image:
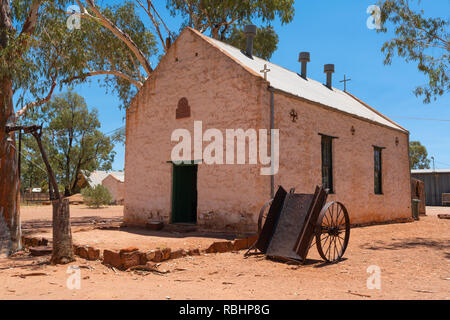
x=414 y=259
x=35 y=213
x=36 y=221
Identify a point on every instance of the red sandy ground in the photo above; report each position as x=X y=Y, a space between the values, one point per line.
x=414 y=259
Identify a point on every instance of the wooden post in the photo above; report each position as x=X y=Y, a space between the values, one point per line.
x=62 y=234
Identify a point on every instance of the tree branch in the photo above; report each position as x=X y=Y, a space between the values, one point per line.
x=135 y=82
x=155 y=24
x=30 y=22
x=37 y=103
x=118 y=33
x=162 y=21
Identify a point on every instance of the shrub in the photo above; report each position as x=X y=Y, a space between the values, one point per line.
x=97 y=196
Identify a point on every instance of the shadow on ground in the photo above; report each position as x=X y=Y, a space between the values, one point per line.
x=75 y=221
x=181 y=234
x=408 y=244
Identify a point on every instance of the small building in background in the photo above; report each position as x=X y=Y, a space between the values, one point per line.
x=418 y=193
x=437 y=184
x=114 y=181
x=91 y=179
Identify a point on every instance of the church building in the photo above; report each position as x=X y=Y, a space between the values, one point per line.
x=325 y=137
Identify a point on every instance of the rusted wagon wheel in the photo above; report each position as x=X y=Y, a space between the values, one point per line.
x=332 y=231
x=263 y=215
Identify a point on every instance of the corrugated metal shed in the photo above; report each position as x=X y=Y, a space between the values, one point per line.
x=436 y=182
x=312 y=90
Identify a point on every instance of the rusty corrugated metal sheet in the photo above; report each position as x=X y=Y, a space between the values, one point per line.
x=291 y=221
x=271 y=221
x=308 y=229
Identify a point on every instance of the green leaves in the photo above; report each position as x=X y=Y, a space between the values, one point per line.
x=97 y=196
x=54 y=54
x=225 y=19
x=95 y=50
x=265 y=42
x=72 y=139
x=418 y=156
x=419 y=39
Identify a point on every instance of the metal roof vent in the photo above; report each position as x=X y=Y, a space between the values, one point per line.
x=329 y=70
x=250 y=33
x=304 y=59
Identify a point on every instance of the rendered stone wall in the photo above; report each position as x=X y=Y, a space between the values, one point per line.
x=222 y=95
x=116 y=188
x=353 y=160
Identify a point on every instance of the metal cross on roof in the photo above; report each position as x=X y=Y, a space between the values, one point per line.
x=265 y=71
x=345 y=82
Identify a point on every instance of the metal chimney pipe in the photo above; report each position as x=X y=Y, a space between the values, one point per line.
x=329 y=70
x=250 y=33
x=304 y=59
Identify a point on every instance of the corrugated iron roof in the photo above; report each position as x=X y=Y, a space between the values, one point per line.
x=291 y=82
x=429 y=171
x=118 y=175
x=96 y=177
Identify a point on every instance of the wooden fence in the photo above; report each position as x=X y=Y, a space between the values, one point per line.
x=35 y=197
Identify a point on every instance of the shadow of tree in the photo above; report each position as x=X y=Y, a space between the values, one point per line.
x=74 y=221
x=26 y=261
x=408 y=244
x=179 y=235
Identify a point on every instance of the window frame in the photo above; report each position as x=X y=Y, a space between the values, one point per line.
x=330 y=168
x=378 y=172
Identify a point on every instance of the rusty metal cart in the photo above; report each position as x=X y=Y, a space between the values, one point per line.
x=288 y=228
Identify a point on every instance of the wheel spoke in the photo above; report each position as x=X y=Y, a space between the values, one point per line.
x=326 y=217
x=342 y=221
x=337 y=218
x=341 y=247
x=331 y=215
x=325 y=240
x=328 y=250
x=334 y=249
x=332 y=246
x=332 y=238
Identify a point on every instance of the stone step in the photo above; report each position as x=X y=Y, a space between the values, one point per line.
x=41 y=251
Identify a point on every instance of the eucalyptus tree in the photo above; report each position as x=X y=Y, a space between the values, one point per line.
x=418 y=155
x=420 y=39
x=220 y=16
x=38 y=54
x=225 y=20
x=72 y=139
x=18 y=25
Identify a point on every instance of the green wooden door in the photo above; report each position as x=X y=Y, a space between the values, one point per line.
x=184 y=194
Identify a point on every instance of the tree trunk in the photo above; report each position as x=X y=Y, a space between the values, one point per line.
x=50 y=190
x=62 y=234
x=9 y=175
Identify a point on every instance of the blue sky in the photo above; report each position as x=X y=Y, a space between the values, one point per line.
x=334 y=32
